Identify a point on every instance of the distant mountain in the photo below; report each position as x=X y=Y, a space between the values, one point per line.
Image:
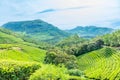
x=37 y=30
x=90 y=31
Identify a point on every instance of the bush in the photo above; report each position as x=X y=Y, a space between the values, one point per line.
x=75 y=72
x=16 y=70
x=59 y=58
x=50 y=72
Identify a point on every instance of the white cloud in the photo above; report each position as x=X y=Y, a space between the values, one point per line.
x=69 y=12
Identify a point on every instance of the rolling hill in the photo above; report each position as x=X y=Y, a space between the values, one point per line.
x=14 y=48
x=20 y=59
x=90 y=31
x=37 y=30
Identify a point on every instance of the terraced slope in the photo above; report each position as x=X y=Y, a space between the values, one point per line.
x=101 y=64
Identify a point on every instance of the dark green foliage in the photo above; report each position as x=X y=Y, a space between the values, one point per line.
x=90 y=31
x=85 y=47
x=70 y=41
x=14 y=70
x=58 y=57
x=75 y=72
x=90 y=47
x=74 y=45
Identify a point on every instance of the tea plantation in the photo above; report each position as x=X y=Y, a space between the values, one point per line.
x=103 y=64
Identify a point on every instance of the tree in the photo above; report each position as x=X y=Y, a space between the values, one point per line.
x=60 y=58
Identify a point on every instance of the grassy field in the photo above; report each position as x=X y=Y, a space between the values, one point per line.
x=13 y=47
x=101 y=64
x=21 y=52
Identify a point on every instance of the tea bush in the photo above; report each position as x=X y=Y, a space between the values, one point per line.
x=16 y=70
x=50 y=72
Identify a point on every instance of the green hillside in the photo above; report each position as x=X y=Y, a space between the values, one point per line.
x=37 y=31
x=21 y=52
x=103 y=64
x=12 y=47
x=7 y=36
x=20 y=59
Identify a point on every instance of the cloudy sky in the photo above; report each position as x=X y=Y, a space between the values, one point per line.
x=65 y=14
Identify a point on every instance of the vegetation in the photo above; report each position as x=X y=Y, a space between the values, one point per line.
x=12 y=47
x=112 y=39
x=70 y=41
x=14 y=70
x=50 y=72
x=90 y=31
x=60 y=58
x=79 y=46
x=101 y=64
x=32 y=55
x=37 y=31
x=21 y=52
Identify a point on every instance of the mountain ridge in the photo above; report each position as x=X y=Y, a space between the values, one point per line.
x=90 y=31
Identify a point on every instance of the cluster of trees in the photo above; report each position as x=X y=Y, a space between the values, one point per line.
x=66 y=51
x=112 y=39
x=70 y=41
x=84 y=48
x=58 y=57
x=68 y=56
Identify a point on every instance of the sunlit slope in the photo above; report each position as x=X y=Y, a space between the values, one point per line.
x=101 y=64
x=13 y=47
x=7 y=36
x=21 y=52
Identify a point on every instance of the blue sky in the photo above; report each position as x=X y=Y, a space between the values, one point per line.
x=65 y=14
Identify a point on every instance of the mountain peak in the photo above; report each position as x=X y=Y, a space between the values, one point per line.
x=37 y=29
x=30 y=26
